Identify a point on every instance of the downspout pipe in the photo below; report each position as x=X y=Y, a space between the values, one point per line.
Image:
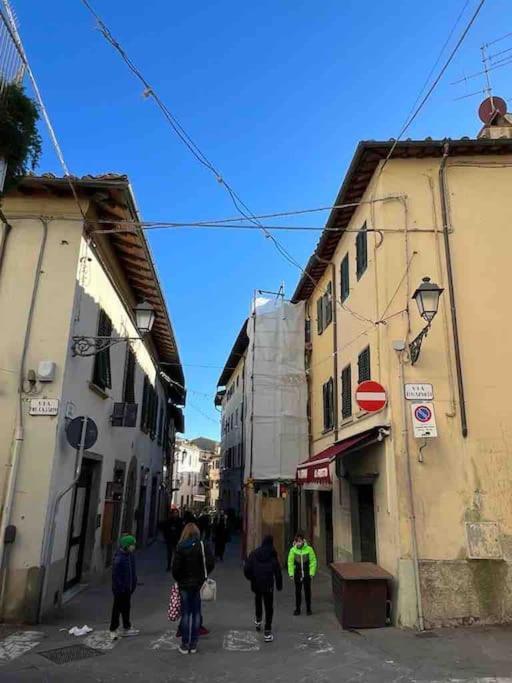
x=18 y=437
x=410 y=491
x=451 y=289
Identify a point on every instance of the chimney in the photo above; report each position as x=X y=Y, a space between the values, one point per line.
x=497 y=123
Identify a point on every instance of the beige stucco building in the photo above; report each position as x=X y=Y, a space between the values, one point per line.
x=435 y=512
x=61 y=278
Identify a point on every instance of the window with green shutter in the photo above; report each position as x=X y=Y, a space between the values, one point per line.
x=363 y=364
x=328 y=404
x=101 y=375
x=320 y=315
x=129 y=377
x=145 y=401
x=328 y=305
x=361 y=251
x=346 y=392
x=344 y=278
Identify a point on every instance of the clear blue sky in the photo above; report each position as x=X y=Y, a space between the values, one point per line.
x=277 y=93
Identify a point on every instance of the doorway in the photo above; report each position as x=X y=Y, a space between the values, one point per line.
x=326 y=508
x=363 y=524
x=78 y=525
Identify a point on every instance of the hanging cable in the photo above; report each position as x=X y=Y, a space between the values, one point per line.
x=413 y=116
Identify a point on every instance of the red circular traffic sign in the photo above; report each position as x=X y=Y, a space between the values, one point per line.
x=371 y=396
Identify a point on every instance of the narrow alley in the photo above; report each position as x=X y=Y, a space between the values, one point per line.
x=306 y=649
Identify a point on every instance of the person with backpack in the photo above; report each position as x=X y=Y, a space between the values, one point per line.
x=302 y=566
x=192 y=563
x=262 y=569
x=124 y=582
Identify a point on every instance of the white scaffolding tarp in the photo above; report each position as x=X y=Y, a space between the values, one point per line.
x=276 y=425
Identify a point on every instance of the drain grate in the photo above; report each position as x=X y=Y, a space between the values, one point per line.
x=71 y=653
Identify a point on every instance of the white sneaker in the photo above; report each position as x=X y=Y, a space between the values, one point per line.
x=114 y=635
x=268 y=637
x=128 y=632
x=258 y=625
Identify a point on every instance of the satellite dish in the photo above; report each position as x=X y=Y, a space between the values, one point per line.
x=490 y=107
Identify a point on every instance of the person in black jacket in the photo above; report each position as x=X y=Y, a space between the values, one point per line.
x=124 y=582
x=192 y=563
x=171 y=531
x=262 y=569
x=221 y=534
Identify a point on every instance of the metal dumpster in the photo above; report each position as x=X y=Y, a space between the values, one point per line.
x=360 y=594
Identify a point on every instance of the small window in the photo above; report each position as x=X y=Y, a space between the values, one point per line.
x=363 y=364
x=344 y=279
x=129 y=377
x=101 y=375
x=361 y=251
x=328 y=404
x=346 y=392
x=238 y=380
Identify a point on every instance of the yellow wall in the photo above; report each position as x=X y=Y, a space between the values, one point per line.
x=460 y=479
x=321 y=369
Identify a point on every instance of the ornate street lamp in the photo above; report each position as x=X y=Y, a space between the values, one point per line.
x=90 y=346
x=144 y=317
x=427 y=299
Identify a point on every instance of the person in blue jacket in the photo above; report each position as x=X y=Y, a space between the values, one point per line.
x=124 y=582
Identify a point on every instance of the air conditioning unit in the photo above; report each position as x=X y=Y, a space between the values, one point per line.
x=125 y=415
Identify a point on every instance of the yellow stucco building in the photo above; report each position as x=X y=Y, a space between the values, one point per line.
x=434 y=512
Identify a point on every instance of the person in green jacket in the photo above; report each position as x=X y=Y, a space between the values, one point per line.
x=302 y=566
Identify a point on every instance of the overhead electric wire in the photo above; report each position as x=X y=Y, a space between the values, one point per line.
x=237 y=201
x=413 y=116
x=498 y=40
x=441 y=52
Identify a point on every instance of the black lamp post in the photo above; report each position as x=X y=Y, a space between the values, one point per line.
x=427 y=299
x=90 y=346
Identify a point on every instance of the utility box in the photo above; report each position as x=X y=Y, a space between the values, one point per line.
x=360 y=594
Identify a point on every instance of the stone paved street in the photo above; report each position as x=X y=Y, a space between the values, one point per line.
x=306 y=649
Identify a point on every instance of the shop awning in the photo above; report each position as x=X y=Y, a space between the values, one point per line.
x=316 y=469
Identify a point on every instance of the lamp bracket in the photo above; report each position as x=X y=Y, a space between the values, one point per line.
x=415 y=345
x=90 y=346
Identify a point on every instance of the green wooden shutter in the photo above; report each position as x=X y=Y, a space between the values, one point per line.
x=344 y=278
x=346 y=392
x=320 y=315
x=102 y=376
x=362 y=251
x=363 y=363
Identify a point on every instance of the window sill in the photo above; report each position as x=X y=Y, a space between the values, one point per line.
x=328 y=431
x=346 y=421
x=98 y=391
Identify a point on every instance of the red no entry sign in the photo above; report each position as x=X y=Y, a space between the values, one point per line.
x=371 y=396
